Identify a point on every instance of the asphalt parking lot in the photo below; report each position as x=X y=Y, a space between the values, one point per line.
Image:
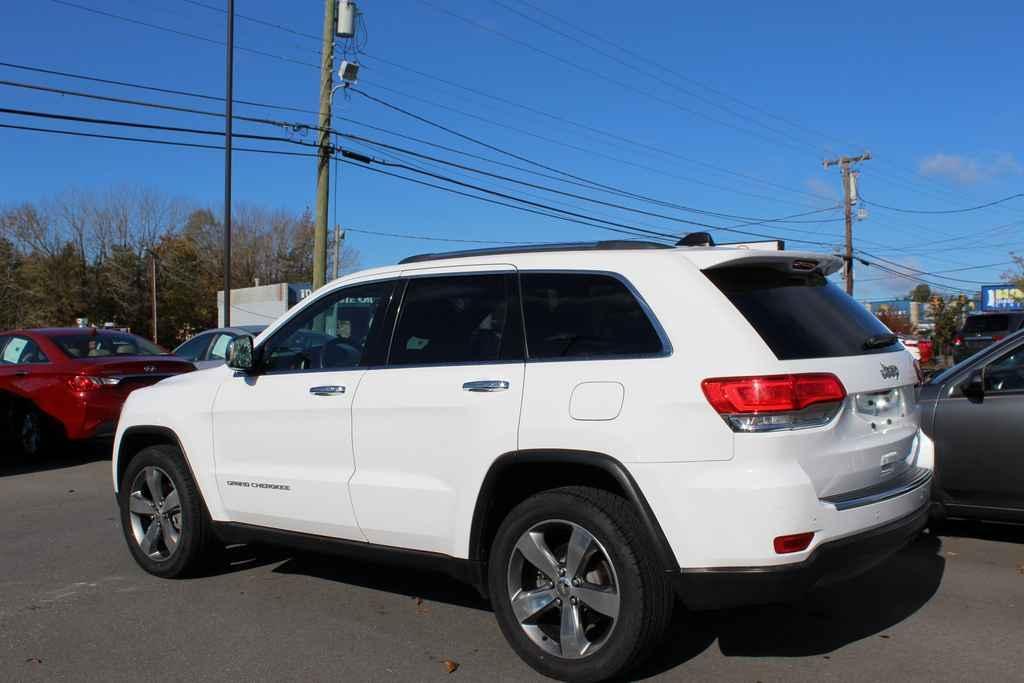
x=74 y=606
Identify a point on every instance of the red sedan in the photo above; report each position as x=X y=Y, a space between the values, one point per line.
x=70 y=383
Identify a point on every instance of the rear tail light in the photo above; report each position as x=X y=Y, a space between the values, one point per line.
x=81 y=383
x=958 y=341
x=996 y=338
x=775 y=402
x=793 y=543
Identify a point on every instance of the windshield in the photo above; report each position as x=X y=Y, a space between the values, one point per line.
x=802 y=315
x=104 y=344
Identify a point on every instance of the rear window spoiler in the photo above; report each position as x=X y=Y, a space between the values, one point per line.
x=797 y=262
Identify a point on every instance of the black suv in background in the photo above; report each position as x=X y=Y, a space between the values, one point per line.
x=983 y=329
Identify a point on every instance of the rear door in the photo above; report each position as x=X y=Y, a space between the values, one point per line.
x=429 y=424
x=812 y=326
x=978 y=442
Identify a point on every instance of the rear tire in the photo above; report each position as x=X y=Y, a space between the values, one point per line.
x=163 y=517
x=574 y=586
x=34 y=432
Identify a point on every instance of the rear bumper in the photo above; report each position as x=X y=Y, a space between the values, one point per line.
x=715 y=588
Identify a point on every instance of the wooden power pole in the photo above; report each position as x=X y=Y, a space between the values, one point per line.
x=849 y=197
x=323 y=172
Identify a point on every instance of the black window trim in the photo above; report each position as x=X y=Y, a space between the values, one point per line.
x=392 y=279
x=501 y=269
x=666 y=343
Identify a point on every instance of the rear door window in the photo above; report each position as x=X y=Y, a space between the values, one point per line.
x=585 y=315
x=194 y=349
x=23 y=351
x=458 y=319
x=800 y=315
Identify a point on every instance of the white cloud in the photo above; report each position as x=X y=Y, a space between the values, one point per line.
x=823 y=189
x=967 y=171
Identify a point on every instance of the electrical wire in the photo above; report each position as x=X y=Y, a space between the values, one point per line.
x=297 y=127
x=184 y=34
x=964 y=210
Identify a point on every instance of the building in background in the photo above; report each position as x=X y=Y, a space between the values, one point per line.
x=261 y=305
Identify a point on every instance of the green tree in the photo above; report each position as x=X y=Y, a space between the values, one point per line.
x=922 y=293
x=948 y=314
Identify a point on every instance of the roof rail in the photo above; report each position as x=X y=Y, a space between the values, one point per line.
x=604 y=245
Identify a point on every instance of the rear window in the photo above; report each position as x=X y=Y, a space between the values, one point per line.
x=986 y=324
x=799 y=315
x=104 y=344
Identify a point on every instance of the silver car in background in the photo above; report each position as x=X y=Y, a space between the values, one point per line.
x=210 y=348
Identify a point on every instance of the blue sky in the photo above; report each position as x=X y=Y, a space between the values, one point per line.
x=754 y=97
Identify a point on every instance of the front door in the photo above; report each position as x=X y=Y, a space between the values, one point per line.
x=978 y=442
x=283 y=436
x=430 y=423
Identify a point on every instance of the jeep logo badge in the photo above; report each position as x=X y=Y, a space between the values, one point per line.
x=152 y=368
x=890 y=371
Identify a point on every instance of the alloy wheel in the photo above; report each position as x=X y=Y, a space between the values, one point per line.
x=155 y=512
x=563 y=589
x=31 y=433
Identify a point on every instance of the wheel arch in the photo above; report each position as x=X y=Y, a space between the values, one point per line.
x=139 y=437
x=517 y=475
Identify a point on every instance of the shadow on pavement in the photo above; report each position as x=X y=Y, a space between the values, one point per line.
x=393 y=579
x=823 y=621
x=12 y=462
x=985 y=531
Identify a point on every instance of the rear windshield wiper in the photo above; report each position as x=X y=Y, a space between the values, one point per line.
x=879 y=341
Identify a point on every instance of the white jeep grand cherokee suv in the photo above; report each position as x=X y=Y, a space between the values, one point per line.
x=585 y=432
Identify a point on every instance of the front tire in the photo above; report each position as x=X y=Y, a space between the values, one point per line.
x=162 y=514
x=574 y=587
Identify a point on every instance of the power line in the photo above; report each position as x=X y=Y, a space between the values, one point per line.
x=430 y=238
x=295 y=126
x=964 y=210
x=184 y=34
x=170 y=143
x=585 y=150
x=153 y=88
x=573 y=195
x=599 y=75
x=147 y=126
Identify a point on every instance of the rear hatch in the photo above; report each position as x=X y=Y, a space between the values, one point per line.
x=813 y=328
x=980 y=331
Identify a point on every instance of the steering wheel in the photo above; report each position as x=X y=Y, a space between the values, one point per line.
x=338 y=354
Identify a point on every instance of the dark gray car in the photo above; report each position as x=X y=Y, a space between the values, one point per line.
x=209 y=349
x=974 y=412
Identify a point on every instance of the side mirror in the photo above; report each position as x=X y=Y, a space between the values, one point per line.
x=241 y=355
x=974 y=388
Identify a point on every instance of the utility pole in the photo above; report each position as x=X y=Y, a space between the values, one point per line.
x=152 y=290
x=849 y=197
x=324 y=142
x=339 y=239
x=228 y=101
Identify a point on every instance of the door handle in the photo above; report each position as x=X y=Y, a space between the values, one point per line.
x=329 y=390
x=21 y=373
x=486 y=385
